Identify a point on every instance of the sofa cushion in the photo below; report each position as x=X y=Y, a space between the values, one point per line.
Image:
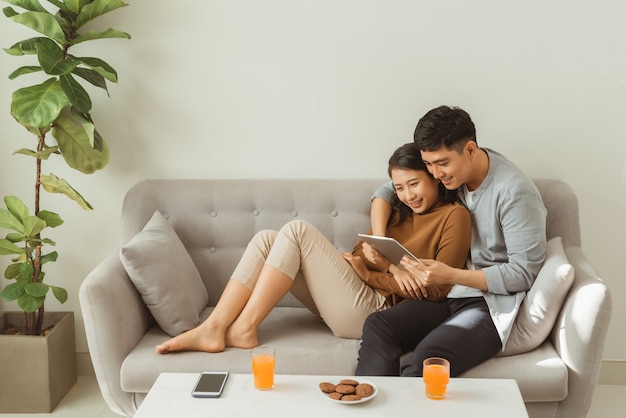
x=541 y=374
x=304 y=345
x=543 y=301
x=166 y=277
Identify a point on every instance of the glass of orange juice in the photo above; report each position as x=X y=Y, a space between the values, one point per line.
x=263 y=363
x=436 y=374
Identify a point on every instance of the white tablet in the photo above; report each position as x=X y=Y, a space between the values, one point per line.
x=391 y=249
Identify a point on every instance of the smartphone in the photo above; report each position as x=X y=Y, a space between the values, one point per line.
x=210 y=384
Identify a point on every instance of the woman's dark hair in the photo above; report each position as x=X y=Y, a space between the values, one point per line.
x=408 y=157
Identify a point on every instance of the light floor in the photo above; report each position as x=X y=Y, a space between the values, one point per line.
x=84 y=401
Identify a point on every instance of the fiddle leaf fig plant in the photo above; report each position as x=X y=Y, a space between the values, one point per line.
x=57 y=112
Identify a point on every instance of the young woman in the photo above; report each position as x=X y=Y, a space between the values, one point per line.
x=342 y=289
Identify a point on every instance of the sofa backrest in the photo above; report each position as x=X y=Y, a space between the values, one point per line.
x=215 y=219
x=562 y=205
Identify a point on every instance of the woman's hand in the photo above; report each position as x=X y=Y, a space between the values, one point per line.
x=358 y=265
x=411 y=287
x=428 y=272
x=375 y=257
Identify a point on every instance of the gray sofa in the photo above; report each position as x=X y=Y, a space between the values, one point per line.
x=215 y=220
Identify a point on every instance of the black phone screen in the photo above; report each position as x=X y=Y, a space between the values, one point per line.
x=210 y=384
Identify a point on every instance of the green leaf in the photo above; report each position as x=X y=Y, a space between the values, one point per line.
x=80 y=147
x=36 y=107
x=101 y=67
x=36 y=289
x=42 y=154
x=25 y=47
x=59 y=293
x=76 y=93
x=27 y=152
x=13 y=290
x=12 y=271
x=62 y=7
x=32 y=5
x=24 y=70
x=33 y=226
x=7 y=247
x=50 y=218
x=48 y=241
x=51 y=58
x=96 y=9
x=50 y=257
x=26 y=272
x=42 y=22
x=53 y=184
x=83 y=120
x=29 y=303
x=106 y=34
x=92 y=77
x=73 y=5
x=15 y=237
x=10 y=221
x=66 y=20
x=9 y=12
x=17 y=207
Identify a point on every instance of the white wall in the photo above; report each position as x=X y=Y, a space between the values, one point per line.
x=328 y=89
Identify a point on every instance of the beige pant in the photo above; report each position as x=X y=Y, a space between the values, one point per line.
x=323 y=281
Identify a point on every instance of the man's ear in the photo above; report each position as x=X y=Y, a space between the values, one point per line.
x=471 y=147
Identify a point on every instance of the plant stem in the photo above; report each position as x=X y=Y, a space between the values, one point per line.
x=40 y=145
x=35 y=319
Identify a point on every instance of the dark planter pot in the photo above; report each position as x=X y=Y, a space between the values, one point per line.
x=37 y=371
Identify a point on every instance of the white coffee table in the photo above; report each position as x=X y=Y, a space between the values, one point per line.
x=300 y=397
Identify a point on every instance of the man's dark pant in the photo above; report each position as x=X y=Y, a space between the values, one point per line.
x=460 y=330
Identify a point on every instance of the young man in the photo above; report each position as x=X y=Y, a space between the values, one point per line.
x=507 y=251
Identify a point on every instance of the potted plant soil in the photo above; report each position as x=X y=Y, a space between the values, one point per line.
x=37 y=348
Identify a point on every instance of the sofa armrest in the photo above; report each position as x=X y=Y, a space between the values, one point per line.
x=115 y=320
x=580 y=333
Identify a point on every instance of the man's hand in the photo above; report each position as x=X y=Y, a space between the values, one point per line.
x=411 y=287
x=432 y=273
x=428 y=272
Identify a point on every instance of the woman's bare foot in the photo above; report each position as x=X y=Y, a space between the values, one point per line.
x=241 y=337
x=198 y=339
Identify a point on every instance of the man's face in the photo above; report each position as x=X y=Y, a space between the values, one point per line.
x=448 y=165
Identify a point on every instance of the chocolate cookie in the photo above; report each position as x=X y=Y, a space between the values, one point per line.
x=327 y=387
x=335 y=395
x=345 y=389
x=348 y=398
x=364 y=390
x=349 y=382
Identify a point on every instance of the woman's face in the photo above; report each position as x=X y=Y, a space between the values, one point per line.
x=415 y=188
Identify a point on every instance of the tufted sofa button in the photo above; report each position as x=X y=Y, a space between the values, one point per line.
x=213 y=214
x=256 y=212
x=213 y=249
x=334 y=213
x=294 y=213
x=166 y=215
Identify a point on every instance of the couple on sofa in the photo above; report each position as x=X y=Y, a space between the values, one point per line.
x=454 y=306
